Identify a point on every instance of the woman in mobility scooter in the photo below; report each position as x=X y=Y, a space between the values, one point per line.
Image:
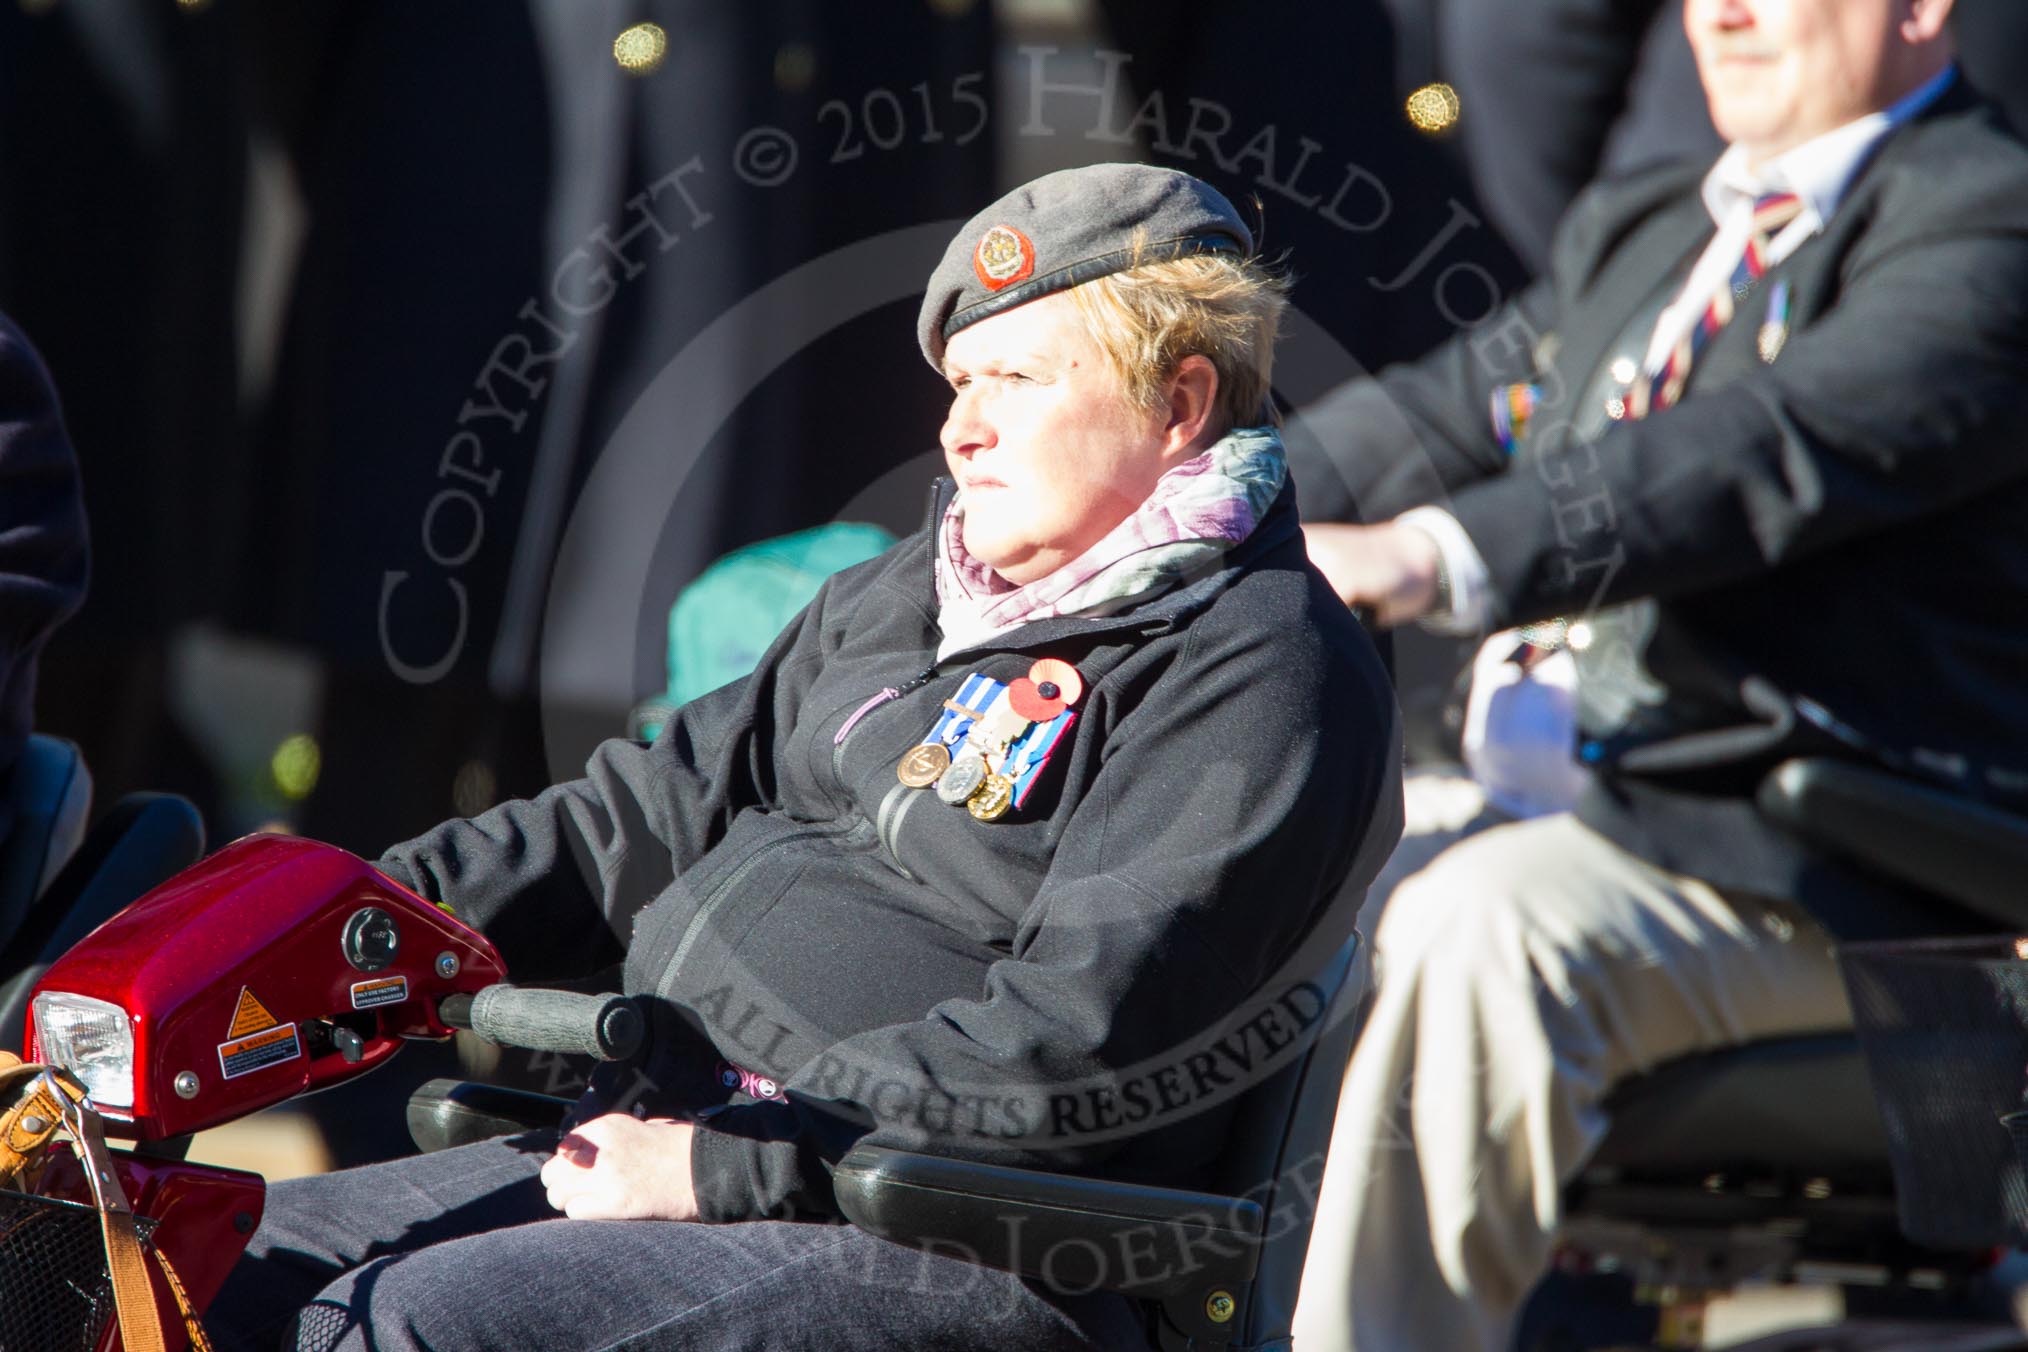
x=982 y=860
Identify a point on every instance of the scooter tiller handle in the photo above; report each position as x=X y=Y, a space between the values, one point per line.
x=608 y=1027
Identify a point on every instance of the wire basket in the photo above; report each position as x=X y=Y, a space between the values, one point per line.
x=55 y=1292
x=1944 y=1026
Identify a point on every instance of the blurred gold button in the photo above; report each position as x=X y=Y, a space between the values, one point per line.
x=1434 y=108
x=640 y=49
x=795 y=65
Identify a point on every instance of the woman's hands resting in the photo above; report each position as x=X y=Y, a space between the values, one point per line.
x=619 y=1168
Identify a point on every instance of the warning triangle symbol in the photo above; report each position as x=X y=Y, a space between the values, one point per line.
x=251 y=1016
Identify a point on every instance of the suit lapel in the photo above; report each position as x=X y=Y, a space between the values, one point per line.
x=1627 y=241
x=1647 y=240
x=1811 y=272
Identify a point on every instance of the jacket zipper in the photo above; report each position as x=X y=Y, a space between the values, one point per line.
x=893 y=808
x=887 y=693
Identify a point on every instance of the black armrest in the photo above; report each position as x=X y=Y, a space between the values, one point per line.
x=1077 y=1234
x=444 y=1113
x=1946 y=845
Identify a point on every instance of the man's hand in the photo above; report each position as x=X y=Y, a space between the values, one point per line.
x=1390 y=568
x=616 y=1168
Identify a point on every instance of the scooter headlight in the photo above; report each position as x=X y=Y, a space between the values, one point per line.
x=93 y=1040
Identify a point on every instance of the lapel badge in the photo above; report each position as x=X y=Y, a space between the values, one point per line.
x=1774 y=330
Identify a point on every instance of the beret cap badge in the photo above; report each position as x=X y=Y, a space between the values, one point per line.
x=1003 y=257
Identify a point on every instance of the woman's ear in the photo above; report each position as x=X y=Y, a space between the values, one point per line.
x=1193 y=399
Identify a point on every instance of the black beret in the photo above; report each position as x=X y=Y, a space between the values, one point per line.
x=1067 y=228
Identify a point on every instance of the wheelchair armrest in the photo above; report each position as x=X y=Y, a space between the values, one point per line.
x=1077 y=1234
x=445 y=1113
x=1948 y=846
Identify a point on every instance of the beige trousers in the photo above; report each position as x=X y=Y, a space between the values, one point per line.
x=1522 y=971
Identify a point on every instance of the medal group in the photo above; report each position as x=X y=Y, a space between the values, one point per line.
x=986 y=749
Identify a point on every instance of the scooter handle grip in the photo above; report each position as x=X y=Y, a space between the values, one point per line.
x=608 y=1027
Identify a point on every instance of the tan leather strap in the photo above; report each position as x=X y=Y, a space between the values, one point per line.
x=34 y=1101
x=198 y=1341
x=133 y=1294
x=30 y=1117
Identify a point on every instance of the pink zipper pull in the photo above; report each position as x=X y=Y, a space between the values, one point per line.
x=883 y=697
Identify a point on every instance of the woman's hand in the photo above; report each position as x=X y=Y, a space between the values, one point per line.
x=1389 y=568
x=618 y=1168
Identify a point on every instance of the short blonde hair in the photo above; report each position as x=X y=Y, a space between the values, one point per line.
x=1150 y=316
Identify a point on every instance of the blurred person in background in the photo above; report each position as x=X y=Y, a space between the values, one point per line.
x=1562 y=92
x=1762 y=417
x=43 y=555
x=123 y=154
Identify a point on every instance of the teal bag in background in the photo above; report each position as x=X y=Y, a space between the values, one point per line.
x=723 y=622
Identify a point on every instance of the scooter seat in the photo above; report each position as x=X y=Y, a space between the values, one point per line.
x=1801 y=1104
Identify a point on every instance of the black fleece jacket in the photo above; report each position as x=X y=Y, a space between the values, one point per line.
x=1086 y=979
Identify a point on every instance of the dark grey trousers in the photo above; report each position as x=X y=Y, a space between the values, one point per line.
x=458 y=1252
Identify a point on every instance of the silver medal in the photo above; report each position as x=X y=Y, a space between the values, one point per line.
x=963 y=779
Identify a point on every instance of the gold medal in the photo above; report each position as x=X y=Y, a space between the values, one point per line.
x=923 y=764
x=993 y=798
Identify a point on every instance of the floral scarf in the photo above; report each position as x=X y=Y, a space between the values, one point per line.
x=1197 y=512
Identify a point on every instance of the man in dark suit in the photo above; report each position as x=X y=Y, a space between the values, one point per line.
x=1760 y=436
x=42 y=535
x=1560 y=92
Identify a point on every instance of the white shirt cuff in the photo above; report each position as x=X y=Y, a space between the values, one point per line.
x=1471 y=604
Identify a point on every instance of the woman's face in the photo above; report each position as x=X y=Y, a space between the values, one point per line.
x=1047 y=452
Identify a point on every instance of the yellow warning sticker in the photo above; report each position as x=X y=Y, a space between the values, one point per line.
x=386 y=990
x=251 y=1016
x=269 y=1047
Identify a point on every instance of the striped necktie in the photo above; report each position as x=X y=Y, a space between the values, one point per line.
x=1662 y=388
x=1514 y=405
